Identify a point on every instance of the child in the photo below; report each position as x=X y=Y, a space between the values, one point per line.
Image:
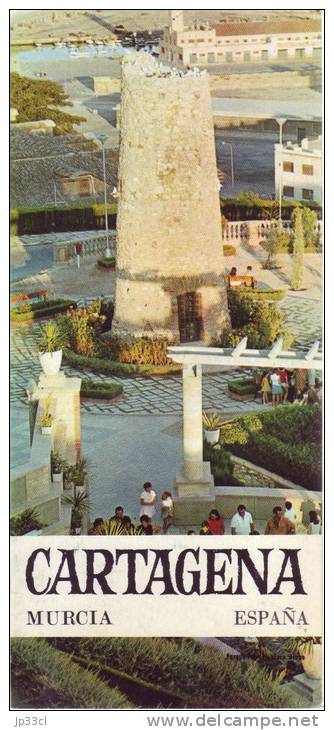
x=265 y=389
x=167 y=508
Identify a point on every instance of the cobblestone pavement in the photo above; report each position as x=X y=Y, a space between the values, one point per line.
x=157 y=395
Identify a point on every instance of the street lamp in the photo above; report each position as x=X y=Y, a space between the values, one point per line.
x=102 y=140
x=280 y=121
x=232 y=163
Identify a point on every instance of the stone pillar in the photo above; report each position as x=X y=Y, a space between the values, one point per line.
x=65 y=393
x=192 y=421
x=194 y=482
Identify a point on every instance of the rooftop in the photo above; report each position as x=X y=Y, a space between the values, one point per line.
x=268 y=27
x=36 y=161
x=264 y=109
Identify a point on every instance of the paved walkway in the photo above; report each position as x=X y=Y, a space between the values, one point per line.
x=157 y=395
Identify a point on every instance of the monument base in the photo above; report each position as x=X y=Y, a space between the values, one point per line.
x=309 y=691
x=194 y=498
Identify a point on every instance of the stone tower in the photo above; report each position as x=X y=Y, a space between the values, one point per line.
x=170 y=264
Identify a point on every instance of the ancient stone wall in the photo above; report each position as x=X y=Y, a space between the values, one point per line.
x=169 y=236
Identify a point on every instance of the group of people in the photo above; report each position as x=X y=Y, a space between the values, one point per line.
x=282 y=522
x=148 y=509
x=280 y=385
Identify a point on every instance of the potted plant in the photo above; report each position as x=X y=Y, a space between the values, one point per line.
x=75 y=474
x=46 y=418
x=212 y=424
x=50 y=346
x=309 y=649
x=58 y=465
x=79 y=501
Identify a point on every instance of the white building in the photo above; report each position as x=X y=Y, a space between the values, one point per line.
x=239 y=42
x=298 y=170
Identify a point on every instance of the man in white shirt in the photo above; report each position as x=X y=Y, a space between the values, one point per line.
x=242 y=522
x=289 y=512
x=148 y=500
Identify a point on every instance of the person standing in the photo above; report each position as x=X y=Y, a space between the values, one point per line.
x=278 y=524
x=283 y=376
x=276 y=387
x=314 y=527
x=148 y=500
x=289 y=512
x=167 y=508
x=242 y=522
x=265 y=388
x=216 y=523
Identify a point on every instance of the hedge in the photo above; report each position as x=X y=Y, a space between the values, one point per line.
x=110 y=367
x=261 y=294
x=285 y=440
x=207 y=676
x=100 y=389
x=45 y=677
x=62 y=218
x=255 y=208
x=27 y=312
x=243 y=386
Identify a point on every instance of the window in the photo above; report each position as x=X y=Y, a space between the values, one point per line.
x=211 y=58
x=300 y=52
x=193 y=58
x=247 y=56
x=282 y=52
x=307 y=194
x=229 y=57
x=307 y=169
x=180 y=56
x=264 y=54
x=288 y=191
x=287 y=166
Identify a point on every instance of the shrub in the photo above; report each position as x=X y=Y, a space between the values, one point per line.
x=260 y=294
x=83 y=327
x=201 y=673
x=258 y=320
x=45 y=677
x=285 y=440
x=100 y=389
x=137 y=351
x=229 y=250
x=25 y=521
x=276 y=239
x=221 y=464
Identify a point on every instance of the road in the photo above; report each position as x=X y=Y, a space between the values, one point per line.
x=253 y=161
x=31 y=260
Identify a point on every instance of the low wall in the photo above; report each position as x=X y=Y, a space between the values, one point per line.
x=64 y=251
x=259 y=501
x=252 y=232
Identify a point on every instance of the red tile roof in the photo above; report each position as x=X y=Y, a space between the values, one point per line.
x=268 y=27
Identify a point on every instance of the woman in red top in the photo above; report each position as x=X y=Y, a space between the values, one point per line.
x=216 y=523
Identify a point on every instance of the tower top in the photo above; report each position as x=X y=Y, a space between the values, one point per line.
x=176 y=20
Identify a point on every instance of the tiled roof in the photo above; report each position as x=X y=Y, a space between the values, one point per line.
x=268 y=27
x=36 y=161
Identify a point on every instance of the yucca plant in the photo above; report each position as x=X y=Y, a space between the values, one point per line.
x=302 y=644
x=79 y=502
x=25 y=522
x=51 y=338
x=111 y=527
x=211 y=421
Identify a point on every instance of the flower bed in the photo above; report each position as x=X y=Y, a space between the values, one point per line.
x=111 y=367
x=242 y=389
x=30 y=311
x=106 y=263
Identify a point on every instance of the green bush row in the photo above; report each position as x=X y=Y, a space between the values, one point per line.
x=286 y=440
x=254 y=317
x=110 y=367
x=209 y=677
x=29 y=311
x=62 y=218
x=100 y=389
x=45 y=677
x=259 y=294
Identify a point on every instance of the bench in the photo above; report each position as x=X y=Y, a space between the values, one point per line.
x=246 y=280
x=41 y=294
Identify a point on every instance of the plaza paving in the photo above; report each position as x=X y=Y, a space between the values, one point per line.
x=142 y=438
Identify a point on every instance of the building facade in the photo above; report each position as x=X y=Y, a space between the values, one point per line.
x=170 y=262
x=239 y=42
x=298 y=170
